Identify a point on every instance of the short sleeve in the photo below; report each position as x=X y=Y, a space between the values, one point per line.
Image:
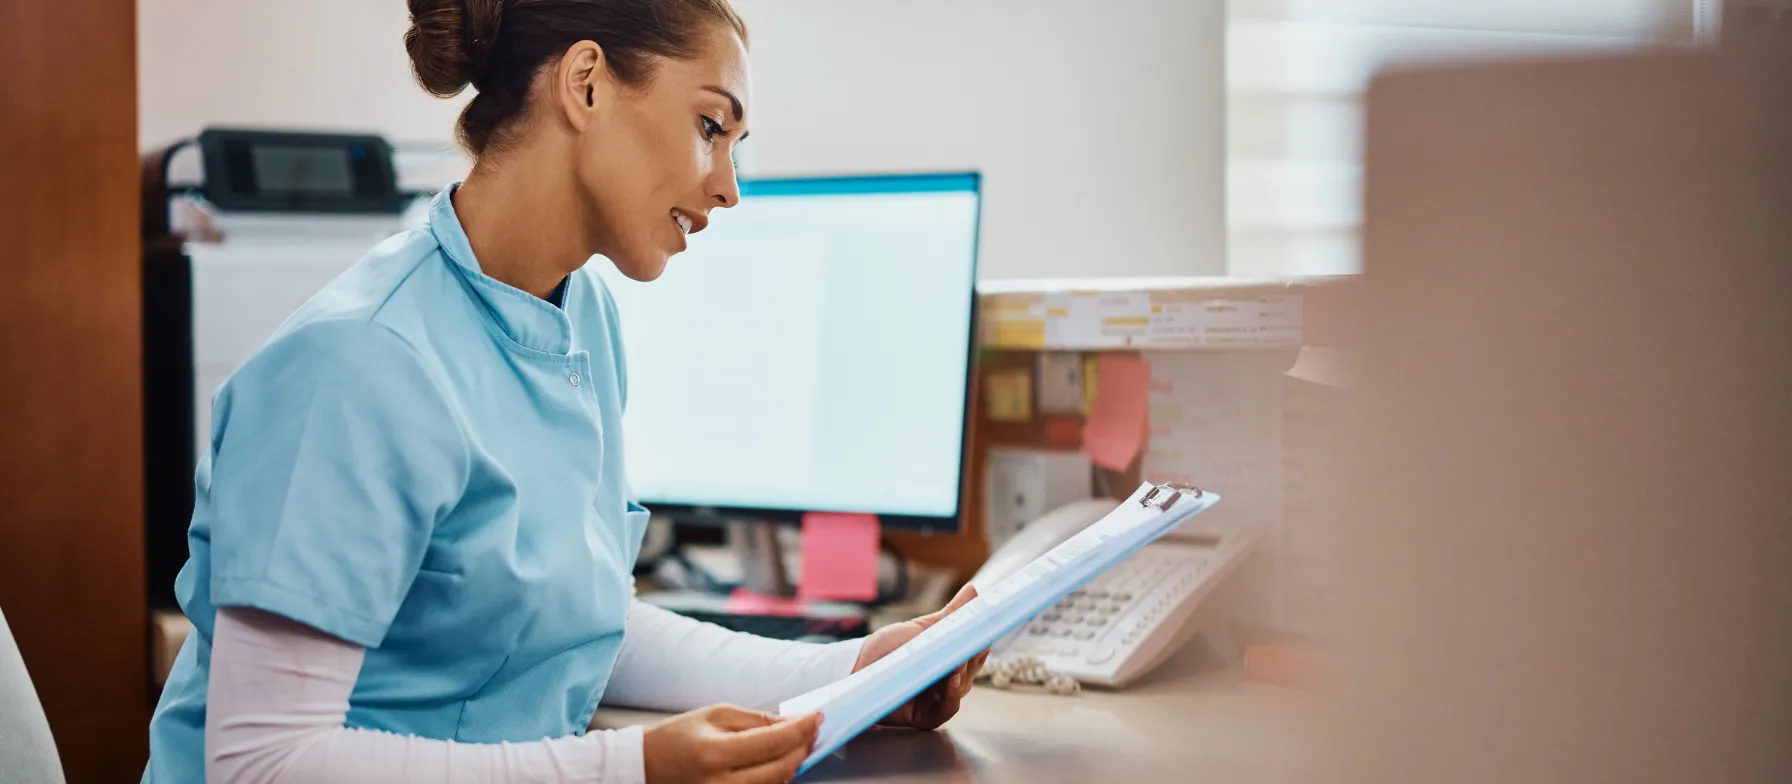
x=335 y=454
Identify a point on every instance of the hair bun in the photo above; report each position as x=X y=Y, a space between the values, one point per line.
x=449 y=41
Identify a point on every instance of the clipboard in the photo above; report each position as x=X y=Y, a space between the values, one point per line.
x=853 y=704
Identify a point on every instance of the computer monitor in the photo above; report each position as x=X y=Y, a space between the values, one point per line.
x=810 y=352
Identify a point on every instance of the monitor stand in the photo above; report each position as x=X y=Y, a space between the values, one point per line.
x=761 y=558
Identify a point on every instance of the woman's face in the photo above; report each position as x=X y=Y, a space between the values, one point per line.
x=654 y=160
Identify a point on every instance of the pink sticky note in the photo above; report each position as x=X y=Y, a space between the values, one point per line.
x=1115 y=430
x=839 y=557
x=745 y=602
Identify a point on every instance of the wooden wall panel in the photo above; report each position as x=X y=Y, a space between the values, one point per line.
x=71 y=531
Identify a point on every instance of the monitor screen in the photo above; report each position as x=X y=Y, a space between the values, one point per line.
x=809 y=352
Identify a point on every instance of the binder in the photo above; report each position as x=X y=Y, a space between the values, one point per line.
x=853 y=704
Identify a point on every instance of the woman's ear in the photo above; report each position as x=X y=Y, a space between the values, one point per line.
x=581 y=72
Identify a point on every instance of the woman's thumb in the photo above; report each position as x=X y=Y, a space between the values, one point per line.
x=965 y=595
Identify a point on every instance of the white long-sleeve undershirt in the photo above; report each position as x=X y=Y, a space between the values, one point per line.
x=278 y=702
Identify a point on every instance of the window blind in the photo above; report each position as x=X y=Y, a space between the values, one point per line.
x=1295 y=74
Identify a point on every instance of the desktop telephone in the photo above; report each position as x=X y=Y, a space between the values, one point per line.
x=1132 y=617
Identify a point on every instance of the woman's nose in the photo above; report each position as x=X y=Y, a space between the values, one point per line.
x=728 y=195
x=726 y=187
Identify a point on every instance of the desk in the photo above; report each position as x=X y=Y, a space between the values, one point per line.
x=1184 y=722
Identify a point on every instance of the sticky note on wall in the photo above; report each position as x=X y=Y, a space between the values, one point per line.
x=839 y=557
x=1008 y=395
x=1115 y=431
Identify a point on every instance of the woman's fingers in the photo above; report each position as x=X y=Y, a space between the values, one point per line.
x=938 y=713
x=773 y=772
x=965 y=595
x=760 y=745
x=939 y=701
x=959 y=683
x=735 y=719
x=711 y=744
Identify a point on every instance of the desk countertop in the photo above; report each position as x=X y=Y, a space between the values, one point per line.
x=1184 y=722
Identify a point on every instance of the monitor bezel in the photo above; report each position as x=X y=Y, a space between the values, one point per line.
x=703 y=514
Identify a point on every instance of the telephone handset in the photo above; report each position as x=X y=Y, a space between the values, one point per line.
x=1132 y=617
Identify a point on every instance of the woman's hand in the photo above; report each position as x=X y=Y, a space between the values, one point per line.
x=931 y=708
x=727 y=745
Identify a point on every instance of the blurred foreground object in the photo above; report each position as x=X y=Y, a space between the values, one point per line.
x=1757 y=26
x=1289 y=664
x=1571 y=522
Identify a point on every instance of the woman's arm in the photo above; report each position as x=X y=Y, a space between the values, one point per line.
x=278 y=701
x=673 y=663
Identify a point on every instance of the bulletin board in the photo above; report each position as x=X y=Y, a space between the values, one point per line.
x=1192 y=334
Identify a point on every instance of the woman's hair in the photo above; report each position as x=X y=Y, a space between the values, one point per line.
x=498 y=46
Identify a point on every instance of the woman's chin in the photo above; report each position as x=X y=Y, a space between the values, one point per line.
x=645 y=268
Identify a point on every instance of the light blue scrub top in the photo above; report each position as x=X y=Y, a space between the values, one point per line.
x=428 y=463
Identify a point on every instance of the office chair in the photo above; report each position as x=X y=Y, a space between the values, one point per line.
x=27 y=752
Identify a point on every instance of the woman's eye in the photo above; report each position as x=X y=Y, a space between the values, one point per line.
x=711 y=128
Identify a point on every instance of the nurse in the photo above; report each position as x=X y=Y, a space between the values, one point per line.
x=411 y=547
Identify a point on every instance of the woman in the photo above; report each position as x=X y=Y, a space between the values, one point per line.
x=411 y=546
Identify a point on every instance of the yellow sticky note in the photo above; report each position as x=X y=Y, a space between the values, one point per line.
x=1015 y=334
x=1008 y=395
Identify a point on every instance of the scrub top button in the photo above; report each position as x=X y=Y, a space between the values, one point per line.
x=574 y=378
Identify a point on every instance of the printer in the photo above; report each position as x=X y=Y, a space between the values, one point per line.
x=228 y=254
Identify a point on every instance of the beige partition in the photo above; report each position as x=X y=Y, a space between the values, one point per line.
x=1572 y=510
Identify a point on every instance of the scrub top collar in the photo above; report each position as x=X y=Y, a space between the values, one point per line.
x=529 y=321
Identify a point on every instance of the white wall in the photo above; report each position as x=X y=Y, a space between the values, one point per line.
x=1098 y=126
x=336 y=64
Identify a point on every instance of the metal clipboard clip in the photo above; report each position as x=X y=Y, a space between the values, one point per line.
x=1164 y=496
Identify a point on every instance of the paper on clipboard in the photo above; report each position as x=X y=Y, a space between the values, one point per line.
x=851 y=705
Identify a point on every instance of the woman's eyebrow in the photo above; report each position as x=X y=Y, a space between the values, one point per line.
x=733 y=102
